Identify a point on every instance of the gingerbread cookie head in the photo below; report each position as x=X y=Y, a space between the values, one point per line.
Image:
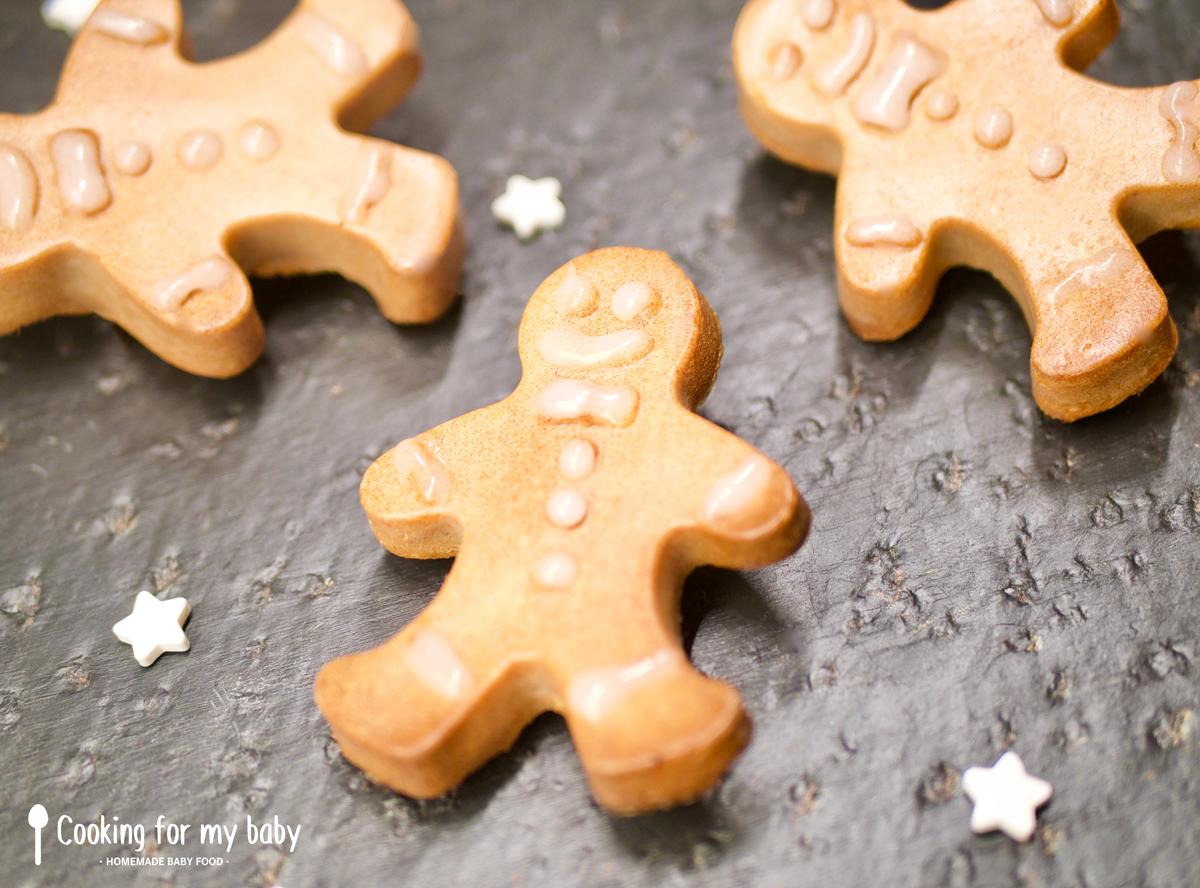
x=965 y=136
x=638 y=323
x=152 y=185
x=575 y=509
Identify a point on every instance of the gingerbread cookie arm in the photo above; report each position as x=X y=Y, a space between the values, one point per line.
x=415 y=495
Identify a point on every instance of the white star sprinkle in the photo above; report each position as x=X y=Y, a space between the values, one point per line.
x=530 y=205
x=154 y=627
x=1006 y=797
x=68 y=15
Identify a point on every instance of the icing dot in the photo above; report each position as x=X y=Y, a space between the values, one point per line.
x=200 y=149
x=634 y=298
x=817 y=14
x=575 y=297
x=567 y=508
x=171 y=293
x=1047 y=160
x=371 y=183
x=886 y=100
x=258 y=140
x=993 y=128
x=941 y=105
x=577 y=459
x=132 y=158
x=127 y=27
x=834 y=77
x=81 y=182
x=1057 y=12
x=18 y=189
x=785 y=59
x=872 y=231
x=556 y=571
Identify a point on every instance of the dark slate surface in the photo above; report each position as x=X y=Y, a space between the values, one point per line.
x=978 y=578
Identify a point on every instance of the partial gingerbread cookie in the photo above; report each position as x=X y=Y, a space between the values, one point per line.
x=151 y=183
x=965 y=136
x=576 y=507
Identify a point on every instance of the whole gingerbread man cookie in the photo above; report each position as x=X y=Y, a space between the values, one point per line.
x=966 y=136
x=576 y=507
x=151 y=183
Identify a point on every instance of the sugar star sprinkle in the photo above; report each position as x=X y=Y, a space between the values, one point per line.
x=1006 y=797
x=530 y=205
x=154 y=627
x=68 y=15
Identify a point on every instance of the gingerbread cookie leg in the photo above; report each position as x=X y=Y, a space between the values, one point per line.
x=1102 y=331
x=430 y=706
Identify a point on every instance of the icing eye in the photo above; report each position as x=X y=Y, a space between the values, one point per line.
x=575 y=296
x=633 y=299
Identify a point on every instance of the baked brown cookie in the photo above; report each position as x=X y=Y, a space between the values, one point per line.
x=152 y=185
x=966 y=136
x=575 y=508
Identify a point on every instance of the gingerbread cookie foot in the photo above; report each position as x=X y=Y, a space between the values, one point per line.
x=152 y=186
x=1029 y=170
x=576 y=508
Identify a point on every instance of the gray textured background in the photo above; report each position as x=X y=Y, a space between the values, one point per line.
x=978 y=577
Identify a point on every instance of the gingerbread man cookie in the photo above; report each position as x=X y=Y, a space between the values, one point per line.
x=576 y=507
x=151 y=183
x=966 y=136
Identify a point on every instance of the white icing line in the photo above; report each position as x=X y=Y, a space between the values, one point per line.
x=1057 y=12
x=567 y=347
x=993 y=127
x=1181 y=107
x=785 y=59
x=567 y=508
x=577 y=459
x=741 y=501
x=332 y=45
x=431 y=659
x=817 y=14
x=886 y=100
x=130 y=28
x=873 y=231
x=67 y=15
x=18 y=189
x=579 y=400
x=834 y=77
x=575 y=297
x=81 y=181
x=1101 y=269
x=1047 y=160
x=941 y=105
x=258 y=140
x=200 y=149
x=371 y=183
x=556 y=571
x=132 y=158
x=634 y=298
x=432 y=478
x=594 y=693
x=208 y=274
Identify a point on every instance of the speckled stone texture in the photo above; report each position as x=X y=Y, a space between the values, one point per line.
x=978 y=577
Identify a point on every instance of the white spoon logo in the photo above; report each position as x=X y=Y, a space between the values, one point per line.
x=38 y=818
